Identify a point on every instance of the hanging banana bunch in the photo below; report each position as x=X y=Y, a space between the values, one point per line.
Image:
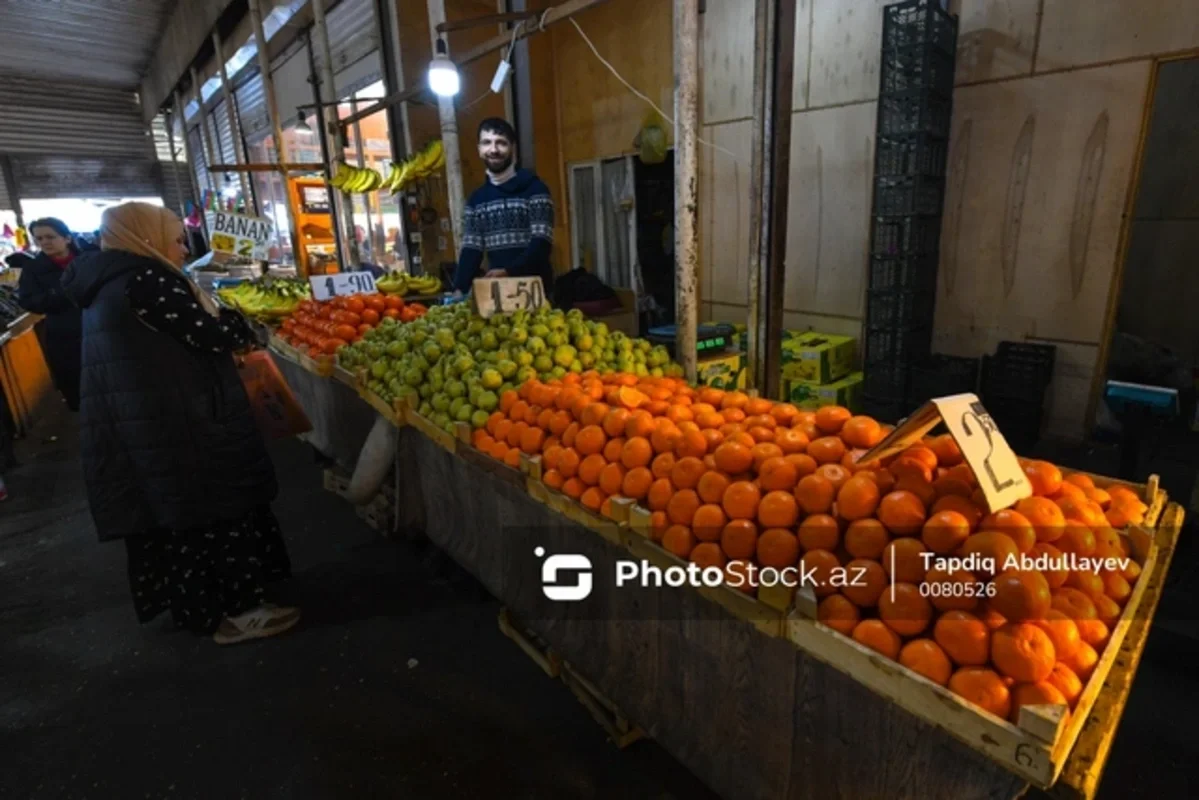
x=349 y=178
x=430 y=159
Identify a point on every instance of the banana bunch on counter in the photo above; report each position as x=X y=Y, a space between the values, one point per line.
x=430 y=159
x=349 y=178
x=272 y=298
x=400 y=284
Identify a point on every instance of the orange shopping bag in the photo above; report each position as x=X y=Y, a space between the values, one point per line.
x=278 y=413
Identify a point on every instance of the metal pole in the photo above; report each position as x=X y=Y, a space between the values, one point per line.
x=449 y=136
x=181 y=110
x=272 y=107
x=360 y=150
x=758 y=179
x=170 y=123
x=14 y=191
x=231 y=114
x=205 y=139
x=336 y=198
x=686 y=180
x=782 y=83
x=342 y=203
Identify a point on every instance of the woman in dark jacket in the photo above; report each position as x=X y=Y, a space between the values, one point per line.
x=40 y=291
x=173 y=459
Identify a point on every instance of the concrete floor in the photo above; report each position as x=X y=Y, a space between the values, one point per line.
x=396 y=684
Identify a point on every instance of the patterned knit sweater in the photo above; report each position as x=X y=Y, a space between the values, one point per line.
x=512 y=224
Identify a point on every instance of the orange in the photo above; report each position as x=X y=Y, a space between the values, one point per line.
x=1076 y=538
x=1107 y=609
x=758 y=405
x=732 y=414
x=592 y=499
x=743 y=439
x=1062 y=631
x=904 y=609
x=1055 y=577
x=994 y=550
x=926 y=657
x=777 y=473
x=1131 y=572
x=1045 y=478
x=1093 y=632
x=713 y=438
x=818 y=532
x=902 y=513
x=570 y=434
x=741 y=499
x=762 y=435
x=815 y=494
x=962 y=505
x=1032 y=694
x=945 y=531
x=595 y=414
x=861 y=431
x=660 y=492
x=866 y=538
x=1082 y=661
x=964 y=637
x=922 y=488
x=835 y=474
x=493 y=420
x=709 y=420
x=708 y=522
x=858 y=498
x=679 y=540
x=902 y=560
x=1089 y=583
x=827 y=449
x=711 y=486
x=573 y=488
x=830 y=420
x=550 y=456
x=590 y=469
x=630 y=398
x=1101 y=497
x=1015 y=525
x=637 y=452
x=679 y=413
x=1023 y=652
x=950 y=591
x=838 y=613
x=1021 y=595
x=507 y=400
x=615 y=420
x=804 y=463
x=552 y=478
x=1065 y=681
x=516 y=432
x=611 y=478
x=907 y=467
x=739 y=539
x=639 y=424
x=865 y=581
x=922 y=454
x=614 y=449
x=686 y=472
x=1073 y=603
x=784 y=413
x=708 y=554
x=984 y=688
x=1080 y=480
x=502 y=429
x=946 y=450
x=733 y=458
x=877 y=636
x=1116 y=587
x=1069 y=490
x=882 y=477
x=790 y=440
x=778 y=509
x=947 y=485
x=1045 y=516
x=763 y=451
x=482 y=440
x=682 y=506
x=590 y=440
x=777 y=548
x=519 y=411
x=818 y=569
x=734 y=400
x=665 y=437
x=636 y=483
x=710 y=395
x=663 y=465
x=693 y=443
x=658 y=523
x=568 y=462
x=545 y=418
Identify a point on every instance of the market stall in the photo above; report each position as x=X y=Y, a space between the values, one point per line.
x=24 y=376
x=754 y=695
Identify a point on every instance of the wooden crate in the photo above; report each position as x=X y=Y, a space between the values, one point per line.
x=345 y=376
x=389 y=411
x=610 y=530
x=426 y=426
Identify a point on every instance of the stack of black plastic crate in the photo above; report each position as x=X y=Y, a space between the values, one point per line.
x=1014 y=384
x=912 y=147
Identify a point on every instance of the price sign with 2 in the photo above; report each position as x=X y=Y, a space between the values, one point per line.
x=325 y=287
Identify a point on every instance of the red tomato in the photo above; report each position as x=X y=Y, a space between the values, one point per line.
x=355 y=304
x=375 y=302
x=393 y=302
x=363 y=328
x=394 y=313
x=371 y=316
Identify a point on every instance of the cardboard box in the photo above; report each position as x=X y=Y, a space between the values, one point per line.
x=807 y=394
x=818 y=357
x=723 y=371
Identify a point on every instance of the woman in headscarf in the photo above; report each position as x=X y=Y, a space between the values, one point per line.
x=173 y=459
x=40 y=291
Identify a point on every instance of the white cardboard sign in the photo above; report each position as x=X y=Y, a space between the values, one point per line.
x=999 y=473
x=505 y=295
x=239 y=234
x=325 y=287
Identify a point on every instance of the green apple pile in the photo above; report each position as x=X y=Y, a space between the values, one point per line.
x=458 y=364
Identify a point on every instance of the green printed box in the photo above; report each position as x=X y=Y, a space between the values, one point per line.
x=818 y=357
x=725 y=371
x=807 y=394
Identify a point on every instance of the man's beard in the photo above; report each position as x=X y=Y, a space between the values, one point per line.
x=497 y=167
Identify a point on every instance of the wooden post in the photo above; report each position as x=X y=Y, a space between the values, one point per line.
x=205 y=139
x=759 y=179
x=449 y=135
x=281 y=154
x=686 y=181
x=247 y=197
x=343 y=205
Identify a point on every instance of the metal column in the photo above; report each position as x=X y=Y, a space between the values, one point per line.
x=449 y=135
x=686 y=181
x=234 y=127
x=181 y=110
x=205 y=139
x=343 y=207
x=170 y=125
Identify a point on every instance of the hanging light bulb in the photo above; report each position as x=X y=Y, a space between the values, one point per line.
x=301 y=124
x=443 y=73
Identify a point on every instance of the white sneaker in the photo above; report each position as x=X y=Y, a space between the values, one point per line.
x=259 y=623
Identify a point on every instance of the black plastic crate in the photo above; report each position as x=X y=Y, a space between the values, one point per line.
x=905 y=236
x=909 y=196
x=940 y=376
x=917 y=67
x=899 y=308
x=884 y=410
x=921 y=111
x=898 y=345
x=1018 y=371
x=885 y=381
x=910 y=154
x=919 y=22
x=904 y=272
x=1019 y=420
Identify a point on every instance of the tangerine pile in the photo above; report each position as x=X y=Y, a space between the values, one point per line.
x=733 y=480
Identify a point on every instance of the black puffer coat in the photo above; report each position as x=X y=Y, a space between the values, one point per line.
x=40 y=291
x=168 y=436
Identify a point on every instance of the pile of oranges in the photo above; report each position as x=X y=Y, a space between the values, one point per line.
x=737 y=480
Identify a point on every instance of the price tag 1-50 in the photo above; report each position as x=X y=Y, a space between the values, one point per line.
x=504 y=295
x=325 y=287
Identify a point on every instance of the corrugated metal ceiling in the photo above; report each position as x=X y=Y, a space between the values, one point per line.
x=91 y=41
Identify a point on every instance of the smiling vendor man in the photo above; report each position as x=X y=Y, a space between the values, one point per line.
x=510 y=218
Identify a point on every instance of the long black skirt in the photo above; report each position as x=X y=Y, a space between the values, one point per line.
x=202 y=575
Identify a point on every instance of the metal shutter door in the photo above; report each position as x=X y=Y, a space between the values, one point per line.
x=6 y=203
x=291 y=84
x=52 y=177
x=175 y=194
x=353 y=36
x=39 y=116
x=251 y=109
x=201 y=159
x=224 y=136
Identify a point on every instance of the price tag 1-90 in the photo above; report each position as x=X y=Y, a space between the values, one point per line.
x=325 y=287
x=504 y=295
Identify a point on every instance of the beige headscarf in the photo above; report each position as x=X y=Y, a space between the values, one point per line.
x=147 y=230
